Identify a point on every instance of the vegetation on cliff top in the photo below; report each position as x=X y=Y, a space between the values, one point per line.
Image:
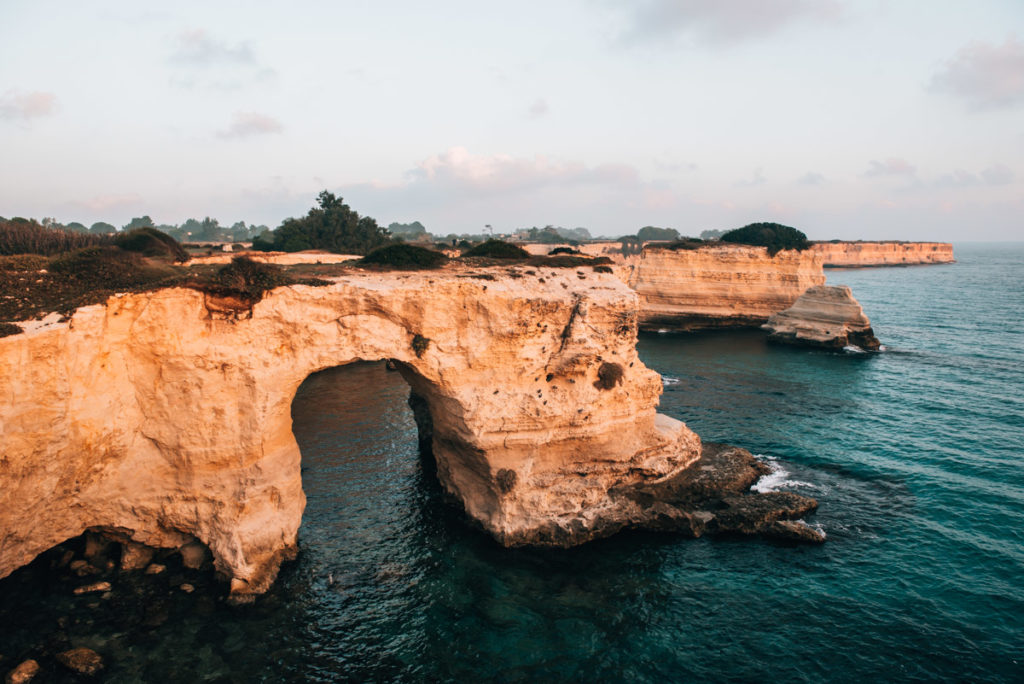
x=404 y=257
x=774 y=236
x=497 y=249
x=331 y=226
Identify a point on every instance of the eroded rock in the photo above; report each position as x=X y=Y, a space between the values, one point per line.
x=84 y=661
x=824 y=316
x=23 y=673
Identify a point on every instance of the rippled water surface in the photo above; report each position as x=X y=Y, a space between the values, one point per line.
x=914 y=454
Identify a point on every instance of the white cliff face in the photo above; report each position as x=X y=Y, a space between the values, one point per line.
x=823 y=316
x=166 y=415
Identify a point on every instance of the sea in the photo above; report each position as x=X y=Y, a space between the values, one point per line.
x=915 y=455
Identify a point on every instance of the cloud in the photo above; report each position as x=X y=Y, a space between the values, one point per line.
x=997 y=174
x=811 y=178
x=720 y=21
x=202 y=61
x=249 y=124
x=196 y=47
x=457 y=168
x=538 y=109
x=986 y=76
x=756 y=178
x=893 y=166
x=18 y=105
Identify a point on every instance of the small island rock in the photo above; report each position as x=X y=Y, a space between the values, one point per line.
x=824 y=316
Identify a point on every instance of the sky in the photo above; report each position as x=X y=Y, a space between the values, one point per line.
x=858 y=119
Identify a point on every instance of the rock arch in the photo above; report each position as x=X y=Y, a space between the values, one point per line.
x=166 y=415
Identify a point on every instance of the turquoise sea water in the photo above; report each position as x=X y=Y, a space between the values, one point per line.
x=915 y=455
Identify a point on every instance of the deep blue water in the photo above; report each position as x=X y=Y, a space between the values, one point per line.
x=915 y=455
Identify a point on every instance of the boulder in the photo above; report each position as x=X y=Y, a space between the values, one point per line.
x=824 y=316
x=81 y=660
x=23 y=673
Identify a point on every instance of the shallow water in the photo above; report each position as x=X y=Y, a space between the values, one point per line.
x=914 y=455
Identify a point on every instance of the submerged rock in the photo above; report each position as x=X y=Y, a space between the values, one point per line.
x=824 y=316
x=81 y=660
x=23 y=673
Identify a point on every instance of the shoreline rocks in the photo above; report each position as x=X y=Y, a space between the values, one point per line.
x=824 y=316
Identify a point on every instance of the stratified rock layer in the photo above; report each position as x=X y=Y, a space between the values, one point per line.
x=717 y=286
x=164 y=417
x=853 y=254
x=824 y=316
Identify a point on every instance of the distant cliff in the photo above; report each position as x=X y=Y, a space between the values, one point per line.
x=854 y=254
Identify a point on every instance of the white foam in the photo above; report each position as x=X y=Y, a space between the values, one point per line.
x=662 y=331
x=667 y=380
x=777 y=479
x=853 y=349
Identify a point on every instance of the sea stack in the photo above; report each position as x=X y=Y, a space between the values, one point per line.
x=824 y=316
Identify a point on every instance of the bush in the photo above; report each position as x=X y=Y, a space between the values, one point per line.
x=151 y=242
x=332 y=226
x=608 y=376
x=685 y=243
x=498 y=249
x=771 y=235
x=405 y=256
x=8 y=329
x=564 y=250
x=21 y=236
x=106 y=267
x=567 y=261
x=250 y=277
x=23 y=262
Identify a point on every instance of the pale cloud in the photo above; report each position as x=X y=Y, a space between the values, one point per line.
x=811 y=178
x=197 y=47
x=997 y=174
x=987 y=76
x=893 y=166
x=756 y=178
x=538 y=109
x=721 y=21
x=18 y=105
x=249 y=124
x=202 y=61
x=458 y=168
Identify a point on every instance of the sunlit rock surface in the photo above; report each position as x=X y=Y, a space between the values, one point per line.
x=852 y=254
x=823 y=316
x=164 y=417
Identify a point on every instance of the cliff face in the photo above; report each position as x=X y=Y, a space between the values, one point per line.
x=823 y=316
x=854 y=254
x=165 y=416
x=717 y=286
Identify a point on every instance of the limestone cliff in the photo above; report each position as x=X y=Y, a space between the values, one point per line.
x=165 y=416
x=853 y=254
x=718 y=285
x=823 y=316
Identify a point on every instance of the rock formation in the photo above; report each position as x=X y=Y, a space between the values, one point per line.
x=823 y=316
x=718 y=286
x=164 y=417
x=853 y=254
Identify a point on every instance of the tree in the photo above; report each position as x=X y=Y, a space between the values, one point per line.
x=712 y=234
x=332 y=226
x=140 y=222
x=239 y=231
x=76 y=227
x=648 y=233
x=407 y=230
x=101 y=228
x=774 y=236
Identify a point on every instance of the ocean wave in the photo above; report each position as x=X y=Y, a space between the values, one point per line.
x=853 y=349
x=778 y=478
x=667 y=380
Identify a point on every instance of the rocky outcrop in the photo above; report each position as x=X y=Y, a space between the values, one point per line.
x=717 y=286
x=853 y=254
x=162 y=418
x=824 y=316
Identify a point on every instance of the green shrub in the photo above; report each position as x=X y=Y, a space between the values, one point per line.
x=564 y=250
x=497 y=249
x=106 y=267
x=567 y=261
x=151 y=242
x=8 y=329
x=686 y=243
x=405 y=256
x=23 y=262
x=250 y=277
x=771 y=235
x=22 y=236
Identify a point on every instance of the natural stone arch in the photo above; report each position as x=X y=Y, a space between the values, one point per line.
x=166 y=415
